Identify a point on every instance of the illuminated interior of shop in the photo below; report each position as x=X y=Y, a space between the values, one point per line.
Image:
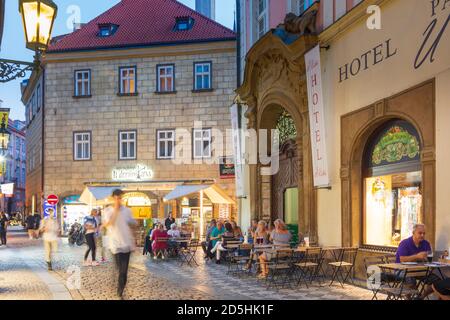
x=393 y=185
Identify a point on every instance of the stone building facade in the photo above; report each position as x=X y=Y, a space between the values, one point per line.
x=104 y=112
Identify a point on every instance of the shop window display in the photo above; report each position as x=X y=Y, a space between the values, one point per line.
x=393 y=183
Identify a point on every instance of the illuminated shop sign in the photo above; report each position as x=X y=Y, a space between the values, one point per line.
x=138 y=173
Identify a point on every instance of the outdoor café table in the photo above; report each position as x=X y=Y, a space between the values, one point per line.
x=397 y=268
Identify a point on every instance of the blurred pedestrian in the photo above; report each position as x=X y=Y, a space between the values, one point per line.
x=90 y=227
x=36 y=224
x=29 y=224
x=50 y=230
x=117 y=220
x=3 y=228
x=99 y=236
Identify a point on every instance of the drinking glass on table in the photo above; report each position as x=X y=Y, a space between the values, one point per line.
x=430 y=256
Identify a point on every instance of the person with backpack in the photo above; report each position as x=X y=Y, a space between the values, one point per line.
x=90 y=227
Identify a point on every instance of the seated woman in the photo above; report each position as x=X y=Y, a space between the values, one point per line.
x=228 y=235
x=159 y=241
x=280 y=236
x=260 y=237
x=237 y=231
x=442 y=289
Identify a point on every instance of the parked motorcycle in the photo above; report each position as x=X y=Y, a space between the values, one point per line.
x=76 y=234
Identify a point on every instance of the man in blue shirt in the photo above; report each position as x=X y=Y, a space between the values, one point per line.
x=416 y=249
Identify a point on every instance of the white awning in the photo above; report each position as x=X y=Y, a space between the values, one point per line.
x=183 y=191
x=213 y=192
x=94 y=195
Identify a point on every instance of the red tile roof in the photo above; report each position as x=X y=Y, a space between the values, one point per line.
x=142 y=23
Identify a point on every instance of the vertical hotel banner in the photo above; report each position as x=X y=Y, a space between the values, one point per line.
x=317 y=118
x=237 y=146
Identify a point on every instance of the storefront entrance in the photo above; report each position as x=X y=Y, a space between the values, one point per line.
x=274 y=91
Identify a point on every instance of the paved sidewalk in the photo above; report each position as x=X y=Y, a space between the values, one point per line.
x=23 y=275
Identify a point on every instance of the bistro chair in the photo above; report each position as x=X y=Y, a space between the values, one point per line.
x=376 y=281
x=187 y=255
x=240 y=261
x=281 y=269
x=409 y=286
x=344 y=266
x=308 y=266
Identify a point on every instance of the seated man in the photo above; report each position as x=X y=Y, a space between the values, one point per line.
x=415 y=249
x=442 y=289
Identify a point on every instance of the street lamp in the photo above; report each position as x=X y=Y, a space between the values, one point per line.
x=38 y=17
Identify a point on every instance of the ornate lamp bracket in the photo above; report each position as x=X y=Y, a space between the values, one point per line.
x=12 y=69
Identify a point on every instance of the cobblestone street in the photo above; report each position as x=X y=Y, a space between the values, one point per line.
x=23 y=275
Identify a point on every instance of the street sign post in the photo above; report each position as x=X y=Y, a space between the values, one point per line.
x=52 y=199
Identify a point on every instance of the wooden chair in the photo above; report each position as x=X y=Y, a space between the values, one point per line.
x=309 y=265
x=187 y=255
x=239 y=263
x=344 y=266
x=281 y=269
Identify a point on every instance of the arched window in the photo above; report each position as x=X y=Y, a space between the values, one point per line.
x=392 y=184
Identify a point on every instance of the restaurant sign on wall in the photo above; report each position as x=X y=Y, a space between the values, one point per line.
x=138 y=173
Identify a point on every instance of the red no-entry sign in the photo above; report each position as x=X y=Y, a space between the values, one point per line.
x=52 y=199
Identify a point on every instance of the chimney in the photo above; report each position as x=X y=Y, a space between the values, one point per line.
x=206 y=8
x=77 y=25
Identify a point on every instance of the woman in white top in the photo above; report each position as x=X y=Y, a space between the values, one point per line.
x=50 y=230
x=174 y=232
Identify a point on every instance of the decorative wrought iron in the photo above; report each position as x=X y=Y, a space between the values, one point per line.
x=286 y=127
x=11 y=69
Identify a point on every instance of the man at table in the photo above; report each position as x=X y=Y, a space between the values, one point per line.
x=415 y=249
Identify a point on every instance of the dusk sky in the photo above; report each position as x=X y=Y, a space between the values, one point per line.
x=13 y=44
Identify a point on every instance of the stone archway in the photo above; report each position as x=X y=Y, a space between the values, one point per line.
x=415 y=106
x=275 y=80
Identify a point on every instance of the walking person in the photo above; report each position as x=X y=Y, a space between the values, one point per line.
x=36 y=224
x=117 y=220
x=50 y=230
x=3 y=228
x=101 y=232
x=29 y=224
x=90 y=225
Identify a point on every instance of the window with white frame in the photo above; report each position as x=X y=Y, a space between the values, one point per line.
x=38 y=97
x=202 y=143
x=127 y=80
x=202 y=75
x=166 y=78
x=127 y=145
x=263 y=20
x=33 y=104
x=165 y=144
x=82 y=146
x=82 y=83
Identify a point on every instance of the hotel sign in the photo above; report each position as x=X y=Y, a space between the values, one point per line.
x=317 y=118
x=138 y=173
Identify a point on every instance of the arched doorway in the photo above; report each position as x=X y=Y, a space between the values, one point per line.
x=274 y=88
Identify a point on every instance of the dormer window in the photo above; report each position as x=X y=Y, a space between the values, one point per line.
x=107 y=29
x=183 y=23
